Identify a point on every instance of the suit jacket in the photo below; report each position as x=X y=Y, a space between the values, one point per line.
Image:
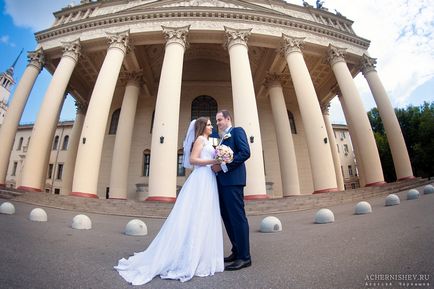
x=236 y=174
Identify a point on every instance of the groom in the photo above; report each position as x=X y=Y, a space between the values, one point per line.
x=231 y=179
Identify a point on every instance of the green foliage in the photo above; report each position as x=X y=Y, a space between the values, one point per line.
x=417 y=125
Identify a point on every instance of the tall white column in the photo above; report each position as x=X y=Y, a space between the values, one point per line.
x=71 y=155
x=37 y=158
x=321 y=160
x=85 y=180
x=164 y=145
x=11 y=121
x=400 y=157
x=245 y=110
x=335 y=154
x=124 y=135
x=285 y=143
x=362 y=131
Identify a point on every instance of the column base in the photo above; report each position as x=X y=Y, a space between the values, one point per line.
x=161 y=199
x=255 y=197
x=400 y=179
x=83 y=195
x=29 y=189
x=331 y=190
x=122 y=199
x=376 y=184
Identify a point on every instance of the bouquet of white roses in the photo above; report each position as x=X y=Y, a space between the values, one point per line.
x=224 y=154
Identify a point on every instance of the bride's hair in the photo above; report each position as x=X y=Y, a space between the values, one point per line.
x=199 y=126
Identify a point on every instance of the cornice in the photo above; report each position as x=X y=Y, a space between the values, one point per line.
x=205 y=13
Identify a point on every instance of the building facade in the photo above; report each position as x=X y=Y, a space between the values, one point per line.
x=57 y=157
x=140 y=70
x=60 y=145
x=347 y=157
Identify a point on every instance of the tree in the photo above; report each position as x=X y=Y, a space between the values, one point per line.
x=417 y=125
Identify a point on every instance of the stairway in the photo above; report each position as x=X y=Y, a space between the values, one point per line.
x=161 y=210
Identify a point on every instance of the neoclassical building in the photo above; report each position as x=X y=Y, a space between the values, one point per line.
x=140 y=70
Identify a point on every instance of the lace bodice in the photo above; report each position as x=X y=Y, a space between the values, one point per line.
x=208 y=151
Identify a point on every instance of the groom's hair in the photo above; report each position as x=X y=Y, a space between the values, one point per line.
x=225 y=113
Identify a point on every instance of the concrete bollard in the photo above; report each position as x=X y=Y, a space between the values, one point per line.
x=270 y=224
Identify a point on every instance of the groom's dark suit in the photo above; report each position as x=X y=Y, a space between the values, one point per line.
x=231 y=186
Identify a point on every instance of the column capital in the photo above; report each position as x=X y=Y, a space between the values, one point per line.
x=120 y=40
x=36 y=58
x=134 y=78
x=336 y=90
x=368 y=64
x=275 y=79
x=80 y=107
x=325 y=109
x=236 y=36
x=291 y=44
x=176 y=35
x=72 y=49
x=335 y=54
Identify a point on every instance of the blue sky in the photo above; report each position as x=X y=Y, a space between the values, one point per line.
x=401 y=35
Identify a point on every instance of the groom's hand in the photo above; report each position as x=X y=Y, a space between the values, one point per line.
x=216 y=168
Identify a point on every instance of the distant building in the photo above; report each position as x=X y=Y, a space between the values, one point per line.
x=57 y=157
x=347 y=158
x=6 y=83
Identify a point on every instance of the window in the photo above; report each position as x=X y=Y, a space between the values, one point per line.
x=14 y=169
x=205 y=105
x=114 y=121
x=56 y=191
x=342 y=135
x=146 y=162
x=342 y=171
x=292 y=122
x=59 y=171
x=20 y=144
x=50 y=171
x=180 y=168
x=350 y=170
x=337 y=145
x=346 y=149
x=55 y=142
x=65 y=142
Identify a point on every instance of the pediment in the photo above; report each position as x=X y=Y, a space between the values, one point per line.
x=224 y=4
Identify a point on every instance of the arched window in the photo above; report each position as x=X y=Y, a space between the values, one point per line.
x=65 y=142
x=292 y=122
x=55 y=142
x=20 y=143
x=205 y=105
x=114 y=122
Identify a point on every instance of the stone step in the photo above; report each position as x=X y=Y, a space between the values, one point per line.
x=161 y=210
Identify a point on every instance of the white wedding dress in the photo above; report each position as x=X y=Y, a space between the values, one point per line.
x=190 y=242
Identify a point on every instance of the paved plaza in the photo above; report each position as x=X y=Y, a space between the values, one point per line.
x=356 y=251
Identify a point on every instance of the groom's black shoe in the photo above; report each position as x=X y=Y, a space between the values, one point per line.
x=230 y=258
x=238 y=264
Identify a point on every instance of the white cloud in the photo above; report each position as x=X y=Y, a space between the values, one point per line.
x=4 y=39
x=35 y=15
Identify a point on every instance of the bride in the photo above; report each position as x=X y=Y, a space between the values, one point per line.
x=190 y=242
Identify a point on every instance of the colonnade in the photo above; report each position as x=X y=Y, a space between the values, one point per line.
x=82 y=168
